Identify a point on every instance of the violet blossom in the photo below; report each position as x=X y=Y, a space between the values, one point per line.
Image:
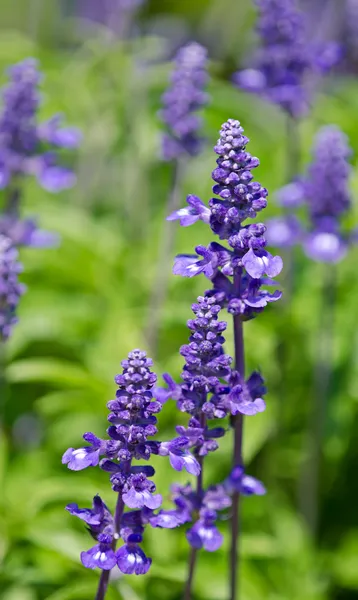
x=324 y=191
x=132 y=421
x=10 y=288
x=239 y=272
x=182 y=100
x=286 y=60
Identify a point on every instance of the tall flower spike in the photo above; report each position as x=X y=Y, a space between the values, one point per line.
x=324 y=189
x=10 y=289
x=182 y=100
x=209 y=390
x=26 y=147
x=238 y=274
x=132 y=421
x=285 y=59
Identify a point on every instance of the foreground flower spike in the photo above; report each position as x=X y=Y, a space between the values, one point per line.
x=182 y=100
x=324 y=189
x=286 y=59
x=10 y=288
x=132 y=421
x=239 y=273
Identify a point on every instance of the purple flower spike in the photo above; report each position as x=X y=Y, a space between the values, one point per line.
x=131 y=558
x=182 y=100
x=24 y=142
x=133 y=420
x=194 y=212
x=10 y=288
x=81 y=458
x=325 y=191
x=286 y=60
x=204 y=533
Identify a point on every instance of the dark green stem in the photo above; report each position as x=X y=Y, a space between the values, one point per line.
x=194 y=551
x=237 y=423
x=310 y=476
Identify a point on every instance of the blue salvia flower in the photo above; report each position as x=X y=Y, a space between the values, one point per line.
x=239 y=273
x=132 y=421
x=27 y=147
x=324 y=190
x=286 y=59
x=209 y=390
x=240 y=198
x=10 y=288
x=181 y=102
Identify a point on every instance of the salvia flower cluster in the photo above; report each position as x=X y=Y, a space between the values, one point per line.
x=239 y=198
x=10 y=288
x=324 y=190
x=132 y=420
x=286 y=61
x=26 y=146
x=181 y=102
x=209 y=390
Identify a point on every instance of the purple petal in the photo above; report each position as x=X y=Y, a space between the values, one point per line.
x=81 y=458
x=135 y=499
x=251 y=486
x=132 y=560
x=186 y=265
x=283 y=232
x=251 y=80
x=325 y=247
x=44 y=239
x=99 y=556
x=253 y=264
x=55 y=179
x=4 y=177
x=274 y=265
x=291 y=195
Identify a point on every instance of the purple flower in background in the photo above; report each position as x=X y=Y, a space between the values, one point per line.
x=10 y=288
x=182 y=100
x=324 y=190
x=286 y=59
x=26 y=147
x=245 y=484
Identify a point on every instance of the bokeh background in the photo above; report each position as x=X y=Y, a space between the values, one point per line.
x=87 y=306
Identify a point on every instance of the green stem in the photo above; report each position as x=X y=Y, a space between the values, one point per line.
x=310 y=475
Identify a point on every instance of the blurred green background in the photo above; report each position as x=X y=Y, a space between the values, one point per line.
x=87 y=306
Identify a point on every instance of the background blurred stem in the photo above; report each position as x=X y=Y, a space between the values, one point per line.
x=194 y=551
x=310 y=476
x=237 y=422
x=282 y=348
x=165 y=259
